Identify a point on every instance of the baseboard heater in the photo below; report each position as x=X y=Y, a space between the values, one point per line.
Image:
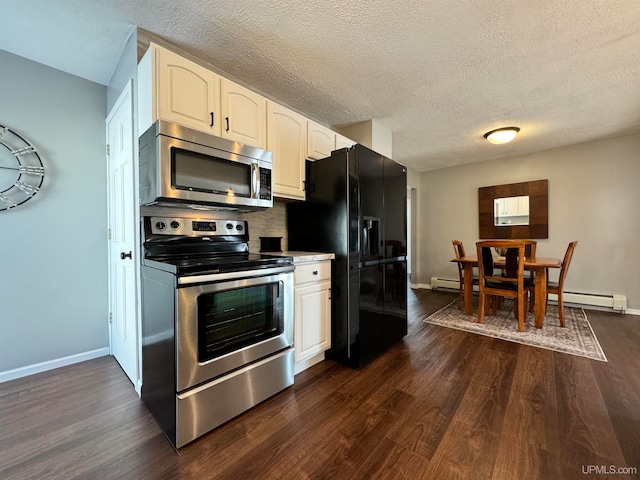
x=613 y=301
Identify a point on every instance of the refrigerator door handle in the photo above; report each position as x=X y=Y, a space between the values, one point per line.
x=369 y=263
x=401 y=258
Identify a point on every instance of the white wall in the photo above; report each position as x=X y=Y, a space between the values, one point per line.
x=593 y=198
x=53 y=249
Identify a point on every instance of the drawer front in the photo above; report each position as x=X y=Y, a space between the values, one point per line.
x=312 y=272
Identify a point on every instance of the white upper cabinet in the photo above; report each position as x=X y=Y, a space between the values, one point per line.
x=321 y=141
x=343 y=142
x=173 y=88
x=243 y=115
x=512 y=206
x=178 y=90
x=287 y=141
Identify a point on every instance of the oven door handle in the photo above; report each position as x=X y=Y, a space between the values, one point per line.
x=218 y=277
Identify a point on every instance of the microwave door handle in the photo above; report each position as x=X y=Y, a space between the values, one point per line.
x=255 y=179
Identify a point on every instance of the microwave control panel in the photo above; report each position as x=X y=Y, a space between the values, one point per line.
x=265 y=184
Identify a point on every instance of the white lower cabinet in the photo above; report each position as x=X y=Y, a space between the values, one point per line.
x=312 y=324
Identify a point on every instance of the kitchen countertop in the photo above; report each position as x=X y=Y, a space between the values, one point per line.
x=304 y=257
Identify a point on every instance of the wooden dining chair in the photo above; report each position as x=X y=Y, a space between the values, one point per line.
x=558 y=288
x=458 y=249
x=510 y=282
x=529 y=249
x=529 y=254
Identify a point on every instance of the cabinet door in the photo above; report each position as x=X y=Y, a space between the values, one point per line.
x=243 y=115
x=320 y=141
x=512 y=206
x=312 y=320
x=343 y=142
x=188 y=93
x=287 y=141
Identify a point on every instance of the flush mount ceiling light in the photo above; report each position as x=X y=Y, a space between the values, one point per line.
x=502 y=135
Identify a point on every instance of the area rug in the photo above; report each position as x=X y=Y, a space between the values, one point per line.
x=576 y=338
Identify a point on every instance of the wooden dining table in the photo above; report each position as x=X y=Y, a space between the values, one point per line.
x=539 y=266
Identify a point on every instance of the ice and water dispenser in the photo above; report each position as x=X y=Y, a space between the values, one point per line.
x=370 y=238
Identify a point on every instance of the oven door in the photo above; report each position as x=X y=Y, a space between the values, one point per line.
x=227 y=321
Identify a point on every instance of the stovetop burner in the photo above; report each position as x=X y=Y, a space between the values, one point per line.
x=189 y=264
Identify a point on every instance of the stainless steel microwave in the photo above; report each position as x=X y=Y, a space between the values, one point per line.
x=182 y=166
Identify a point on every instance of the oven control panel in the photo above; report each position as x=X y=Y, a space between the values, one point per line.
x=196 y=226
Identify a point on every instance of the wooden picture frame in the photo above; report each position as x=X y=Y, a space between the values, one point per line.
x=538 y=193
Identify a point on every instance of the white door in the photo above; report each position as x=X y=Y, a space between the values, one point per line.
x=123 y=259
x=409 y=228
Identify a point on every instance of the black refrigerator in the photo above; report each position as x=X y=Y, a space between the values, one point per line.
x=356 y=208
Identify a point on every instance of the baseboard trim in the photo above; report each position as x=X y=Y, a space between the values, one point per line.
x=138 y=387
x=615 y=302
x=51 y=364
x=302 y=365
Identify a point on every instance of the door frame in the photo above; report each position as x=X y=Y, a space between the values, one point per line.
x=127 y=90
x=412 y=232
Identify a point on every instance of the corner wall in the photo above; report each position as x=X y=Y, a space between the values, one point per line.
x=53 y=249
x=593 y=198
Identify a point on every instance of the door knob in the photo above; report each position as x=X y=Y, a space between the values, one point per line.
x=125 y=255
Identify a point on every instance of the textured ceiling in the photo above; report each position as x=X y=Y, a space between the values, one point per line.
x=437 y=73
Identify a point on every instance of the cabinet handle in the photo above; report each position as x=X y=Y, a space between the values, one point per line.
x=211 y=120
x=227 y=120
x=315 y=272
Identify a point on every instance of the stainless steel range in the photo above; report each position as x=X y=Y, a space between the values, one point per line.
x=217 y=323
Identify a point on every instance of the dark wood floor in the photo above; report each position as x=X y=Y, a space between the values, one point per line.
x=443 y=404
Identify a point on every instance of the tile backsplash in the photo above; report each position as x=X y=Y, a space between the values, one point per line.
x=271 y=222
